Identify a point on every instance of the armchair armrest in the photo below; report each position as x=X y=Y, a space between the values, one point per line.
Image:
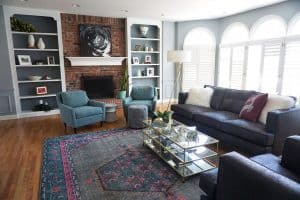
x=240 y=178
x=283 y=123
x=67 y=114
x=182 y=96
x=127 y=100
x=96 y=104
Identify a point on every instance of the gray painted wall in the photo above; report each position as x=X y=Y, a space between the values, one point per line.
x=6 y=84
x=168 y=70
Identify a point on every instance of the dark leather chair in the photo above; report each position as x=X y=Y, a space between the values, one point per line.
x=261 y=177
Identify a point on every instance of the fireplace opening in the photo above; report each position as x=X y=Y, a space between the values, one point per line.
x=98 y=86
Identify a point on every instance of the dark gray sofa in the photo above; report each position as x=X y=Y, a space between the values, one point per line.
x=222 y=121
x=260 y=177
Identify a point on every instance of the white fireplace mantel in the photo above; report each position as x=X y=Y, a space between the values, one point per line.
x=94 y=61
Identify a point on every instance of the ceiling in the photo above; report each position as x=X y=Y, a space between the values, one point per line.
x=171 y=10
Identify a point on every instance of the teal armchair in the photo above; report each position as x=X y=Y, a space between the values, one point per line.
x=141 y=95
x=77 y=110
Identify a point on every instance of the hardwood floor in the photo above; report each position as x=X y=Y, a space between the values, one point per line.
x=21 y=152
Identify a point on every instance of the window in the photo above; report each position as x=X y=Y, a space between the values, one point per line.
x=268 y=27
x=201 y=70
x=291 y=68
x=232 y=56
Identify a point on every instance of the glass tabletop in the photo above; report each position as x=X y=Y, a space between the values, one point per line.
x=182 y=135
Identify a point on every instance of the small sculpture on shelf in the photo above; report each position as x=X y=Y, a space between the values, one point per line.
x=144 y=31
x=42 y=106
x=41 y=44
x=31 y=41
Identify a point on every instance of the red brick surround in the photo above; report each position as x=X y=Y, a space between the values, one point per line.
x=70 y=34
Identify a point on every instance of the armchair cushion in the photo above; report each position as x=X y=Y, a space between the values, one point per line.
x=86 y=111
x=75 y=98
x=291 y=154
x=208 y=182
x=272 y=162
x=142 y=93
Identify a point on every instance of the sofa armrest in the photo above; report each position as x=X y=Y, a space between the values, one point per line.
x=291 y=154
x=154 y=101
x=182 y=96
x=126 y=100
x=241 y=178
x=283 y=123
x=67 y=114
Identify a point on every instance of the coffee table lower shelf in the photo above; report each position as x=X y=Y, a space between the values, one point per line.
x=183 y=169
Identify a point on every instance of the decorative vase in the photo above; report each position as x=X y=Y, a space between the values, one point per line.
x=31 y=41
x=121 y=94
x=144 y=30
x=41 y=44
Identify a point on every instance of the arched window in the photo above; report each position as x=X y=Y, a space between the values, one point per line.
x=268 y=27
x=232 y=56
x=294 y=26
x=234 y=33
x=200 y=71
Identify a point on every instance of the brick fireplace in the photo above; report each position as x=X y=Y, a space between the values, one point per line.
x=71 y=43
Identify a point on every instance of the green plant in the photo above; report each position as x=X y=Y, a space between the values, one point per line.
x=18 y=25
x=124 y=81
x=164 y=115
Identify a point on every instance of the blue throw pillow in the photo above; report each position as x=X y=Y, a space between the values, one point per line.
x=75 y=98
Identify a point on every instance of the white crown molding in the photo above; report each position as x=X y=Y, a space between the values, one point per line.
x=94 y=61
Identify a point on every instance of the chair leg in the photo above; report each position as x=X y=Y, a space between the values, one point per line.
x=75 y=130
x=65 y=127
x=101 y=123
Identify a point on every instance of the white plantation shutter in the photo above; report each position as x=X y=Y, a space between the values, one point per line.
x=253 y=73
x=231 y=67
x=200 y=71
x=291 y=70
x=270 y=68
x=237 y=67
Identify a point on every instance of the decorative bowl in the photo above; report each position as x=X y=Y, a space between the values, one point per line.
x=34 y=78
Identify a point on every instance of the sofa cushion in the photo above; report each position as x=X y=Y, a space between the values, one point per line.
x=234 y=100
x=253 y=107
x=275 y=102
x=199 y=96
x=142 y=93
x=188 y=110
x=214 y=118
x=208 y=182
x=75 y=98
x=272 y=162
x=251 y=131
x=217 y=98
x=86 y=111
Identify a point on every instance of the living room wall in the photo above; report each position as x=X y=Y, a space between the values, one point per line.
x=71 y=42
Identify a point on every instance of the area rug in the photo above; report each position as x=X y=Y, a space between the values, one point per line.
x=109 y=165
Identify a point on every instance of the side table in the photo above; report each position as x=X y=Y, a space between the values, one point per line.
x=110 y=112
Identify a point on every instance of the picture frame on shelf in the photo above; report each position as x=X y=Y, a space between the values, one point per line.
x=24 y=60
x=147 y=59
x=41 y=90
x=135 y=60
x=150 y=71
x=50 y=60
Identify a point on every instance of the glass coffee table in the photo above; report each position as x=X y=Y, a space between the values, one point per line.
x=187 y=151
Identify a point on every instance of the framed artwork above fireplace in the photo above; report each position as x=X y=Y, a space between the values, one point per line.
x=95 y=40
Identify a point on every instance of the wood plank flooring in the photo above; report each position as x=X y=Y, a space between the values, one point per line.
x=21 y=152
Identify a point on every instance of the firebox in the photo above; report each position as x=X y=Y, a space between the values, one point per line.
x=98 y=87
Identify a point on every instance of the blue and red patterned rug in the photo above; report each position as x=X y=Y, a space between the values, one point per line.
x=109 y=165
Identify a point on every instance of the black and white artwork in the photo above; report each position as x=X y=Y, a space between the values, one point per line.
x=95 y=40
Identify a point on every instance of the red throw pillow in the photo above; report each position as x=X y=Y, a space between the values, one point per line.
x=253 y=106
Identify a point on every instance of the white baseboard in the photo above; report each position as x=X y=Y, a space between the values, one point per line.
x=8 y=117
